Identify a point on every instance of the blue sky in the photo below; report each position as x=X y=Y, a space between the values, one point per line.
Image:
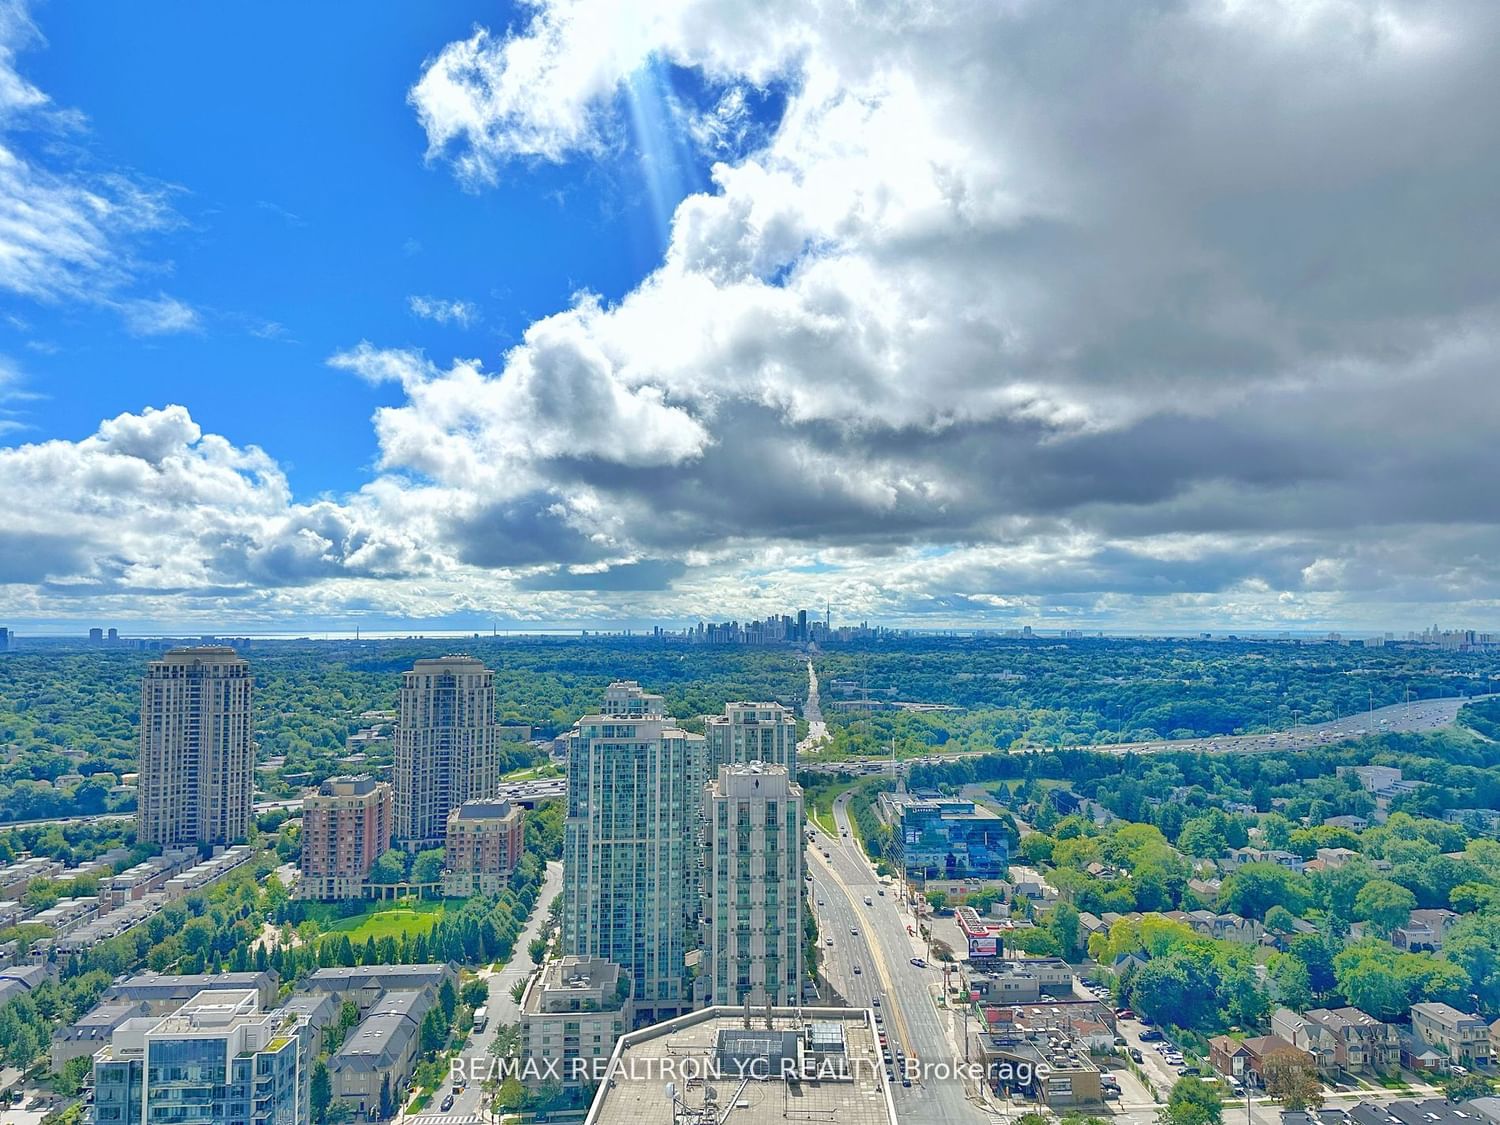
x=614 y=312
x=306 y=218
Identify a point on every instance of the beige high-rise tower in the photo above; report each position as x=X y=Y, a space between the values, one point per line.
x=752 y=732
x=752 y=883
x=197 y=765
x=445 y=746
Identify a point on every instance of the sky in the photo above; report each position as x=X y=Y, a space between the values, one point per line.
x=579 y=313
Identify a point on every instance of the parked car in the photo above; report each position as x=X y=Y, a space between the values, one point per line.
x=1150 y=1035
x=1124 y=1014
x=1136 y=1056
x=1121 y=1041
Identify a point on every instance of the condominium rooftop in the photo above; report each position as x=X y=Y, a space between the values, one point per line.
x=722 y=1044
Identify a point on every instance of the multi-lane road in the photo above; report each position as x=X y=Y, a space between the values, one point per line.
x=503 y=1010
x=883 y=948
x=1415 y=717
x=812 y=711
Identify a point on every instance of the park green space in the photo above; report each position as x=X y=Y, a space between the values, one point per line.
x=382 y=919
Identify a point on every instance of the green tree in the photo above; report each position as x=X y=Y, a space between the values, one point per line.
x=1291 y=1080
x=389 y=868
x=1202 y=837
x=74 y=1074
x=320 y=1093
x=428 y=866
x=387 y=1101
x=475 y=992
x=1192 y=1102
x=1384 y=904
x=1064 y=927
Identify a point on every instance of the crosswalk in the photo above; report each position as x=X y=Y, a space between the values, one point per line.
x=445 y=1119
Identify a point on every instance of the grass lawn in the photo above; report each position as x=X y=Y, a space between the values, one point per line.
x=820 y=804
x=533 y=773
x=384 y=919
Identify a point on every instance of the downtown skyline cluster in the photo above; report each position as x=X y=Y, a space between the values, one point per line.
x=1181 y=318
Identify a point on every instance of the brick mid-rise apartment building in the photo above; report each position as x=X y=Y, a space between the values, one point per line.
x=346 y=825
x=483 y=844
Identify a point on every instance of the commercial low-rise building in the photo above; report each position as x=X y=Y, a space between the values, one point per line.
x=1018 y=980
x=1052 y=1067
x=947 y=837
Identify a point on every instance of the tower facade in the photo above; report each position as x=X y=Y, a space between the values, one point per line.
x=197 y=756
x=752 y=732
x=635 y=785
x=445 y=746
x=752 y=882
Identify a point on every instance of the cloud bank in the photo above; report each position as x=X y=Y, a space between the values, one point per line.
x=1156 y=314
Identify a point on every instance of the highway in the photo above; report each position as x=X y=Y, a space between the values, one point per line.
x=812 y=711
x=1420 y=716
x=884 y=951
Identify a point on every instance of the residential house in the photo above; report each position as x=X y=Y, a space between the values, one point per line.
x=1353 y=823
x=1245 y=1059
x=1464 y=1037
x=1334 y=858
x=92 y=1031
x=1238 y=857
x=1418 y=1056
x=1424 y=931
x=381 y=1053
x=1306 y=1036
x=1361 y=1041
x=1229 y=1057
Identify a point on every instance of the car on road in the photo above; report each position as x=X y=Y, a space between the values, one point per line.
x=869 y=901
x=828 y=941
x=875 y=1002
x=919 y=963
x=881 y=892
x=822 y=903
x=857 y=970
x=447 y=1104
x=808 y=876
x=854 y=931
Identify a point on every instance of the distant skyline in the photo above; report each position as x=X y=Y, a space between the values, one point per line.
x=604 y=314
